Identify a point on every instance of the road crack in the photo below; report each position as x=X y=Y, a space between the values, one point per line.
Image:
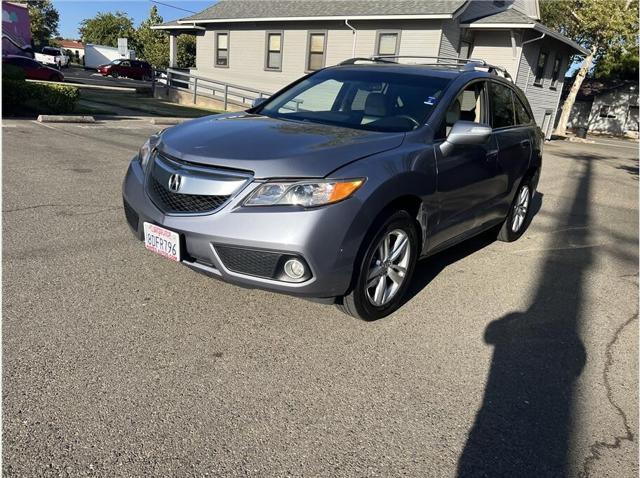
x=598 y=447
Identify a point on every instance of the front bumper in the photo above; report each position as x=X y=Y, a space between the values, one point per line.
x=324 y=237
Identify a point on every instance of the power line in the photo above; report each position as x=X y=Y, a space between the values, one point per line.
x=172 y=6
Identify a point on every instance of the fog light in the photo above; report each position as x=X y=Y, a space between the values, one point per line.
x=294 y=269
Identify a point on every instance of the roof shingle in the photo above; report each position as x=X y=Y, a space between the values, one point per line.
x=238 y=9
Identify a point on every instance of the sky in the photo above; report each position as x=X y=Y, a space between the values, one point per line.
x=72 y=12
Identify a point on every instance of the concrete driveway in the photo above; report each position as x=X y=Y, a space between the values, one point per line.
x=508 y=360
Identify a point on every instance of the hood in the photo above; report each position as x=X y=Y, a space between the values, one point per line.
x=272 y=148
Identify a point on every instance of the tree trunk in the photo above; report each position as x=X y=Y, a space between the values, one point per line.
x=561 y=130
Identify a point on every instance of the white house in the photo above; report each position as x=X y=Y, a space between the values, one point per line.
x=266 y=44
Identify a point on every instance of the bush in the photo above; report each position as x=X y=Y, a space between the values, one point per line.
x=23 y=98
x=12 y=72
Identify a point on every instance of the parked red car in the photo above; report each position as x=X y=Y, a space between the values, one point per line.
x=136 y=69
x=33 y=70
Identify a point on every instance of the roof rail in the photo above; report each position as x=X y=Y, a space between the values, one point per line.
x=438 y=58
x=353 y=61
x=467 y=64
x=496 y=70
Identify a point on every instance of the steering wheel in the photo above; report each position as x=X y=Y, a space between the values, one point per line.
x=413 y=120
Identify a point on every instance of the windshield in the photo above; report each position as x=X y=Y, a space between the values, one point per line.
x=369 y=100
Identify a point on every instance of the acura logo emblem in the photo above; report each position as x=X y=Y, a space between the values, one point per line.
x=175 y=181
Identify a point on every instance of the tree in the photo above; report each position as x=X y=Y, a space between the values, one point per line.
x=154 y=44
x=44 y=21
x=186 y=51
x=597 y=25
x=618 y=65
x=106 y=28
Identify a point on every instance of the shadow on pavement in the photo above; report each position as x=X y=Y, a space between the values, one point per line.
x=524 y=424
x=428 y=269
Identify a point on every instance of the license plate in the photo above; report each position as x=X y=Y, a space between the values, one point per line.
x=162 y=241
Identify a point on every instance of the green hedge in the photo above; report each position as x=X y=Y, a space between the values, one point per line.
x=20 y=98
x=12 y=72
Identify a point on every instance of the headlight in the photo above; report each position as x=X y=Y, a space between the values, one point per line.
x=147 y=149
x=303 y=193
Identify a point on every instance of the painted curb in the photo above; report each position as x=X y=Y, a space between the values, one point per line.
x=167 y=121
x=119 y=89
x=65 y=119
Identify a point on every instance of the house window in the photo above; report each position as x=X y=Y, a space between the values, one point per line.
x=465 y=49
x=222 y=49
x=542 y=63
x=273 y=59
x=556 y=72
x=317 y=43
x=387 y=43
x=605 y=112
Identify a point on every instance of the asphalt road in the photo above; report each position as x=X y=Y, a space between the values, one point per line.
x=508 y=360
x=91 y=77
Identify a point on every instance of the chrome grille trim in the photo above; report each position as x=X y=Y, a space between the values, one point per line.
x=203 y=190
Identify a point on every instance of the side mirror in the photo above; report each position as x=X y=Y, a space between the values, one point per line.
x=258 y=102
x=466 y=132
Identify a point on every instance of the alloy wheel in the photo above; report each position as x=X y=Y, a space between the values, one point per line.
x=388 y=267
x=520 y=209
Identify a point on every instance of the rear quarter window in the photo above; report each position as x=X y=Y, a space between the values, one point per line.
x=522 y=114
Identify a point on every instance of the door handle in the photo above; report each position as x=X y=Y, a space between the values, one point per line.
x=525 y=143
x=492 y=154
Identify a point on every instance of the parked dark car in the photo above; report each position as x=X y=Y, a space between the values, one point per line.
x=135 y=69
x=33 y=69
x=337 y=185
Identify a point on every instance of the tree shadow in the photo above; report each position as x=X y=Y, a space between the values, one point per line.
x=428 y=269
x=523 y=427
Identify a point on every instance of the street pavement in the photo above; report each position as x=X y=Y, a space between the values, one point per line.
x=510 y=360
x=75 y=74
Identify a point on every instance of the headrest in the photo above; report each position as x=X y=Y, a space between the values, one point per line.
x=375 y=105
x=453 y=114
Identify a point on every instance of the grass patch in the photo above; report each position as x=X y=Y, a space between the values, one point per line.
x=86 y=109
x=143 y=104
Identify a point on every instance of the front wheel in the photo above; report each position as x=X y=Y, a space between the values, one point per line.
x=519 y=215
x=385 y=271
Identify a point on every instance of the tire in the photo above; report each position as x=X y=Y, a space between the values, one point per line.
x=115 y=74
x=359 y=302
x=518 y=220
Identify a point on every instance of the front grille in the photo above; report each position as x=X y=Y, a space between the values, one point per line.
x=249 y=261
x=183 y=203
x=131 y=215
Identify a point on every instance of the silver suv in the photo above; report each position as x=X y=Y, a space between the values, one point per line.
x=336 y=186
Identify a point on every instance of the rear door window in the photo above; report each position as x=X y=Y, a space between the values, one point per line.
x=503 y=114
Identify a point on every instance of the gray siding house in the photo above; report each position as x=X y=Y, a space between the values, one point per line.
x=606 y=108
x=266 y=44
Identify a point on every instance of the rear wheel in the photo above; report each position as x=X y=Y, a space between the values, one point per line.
x=519 y=215
x=385 y=271
x=115 y=74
